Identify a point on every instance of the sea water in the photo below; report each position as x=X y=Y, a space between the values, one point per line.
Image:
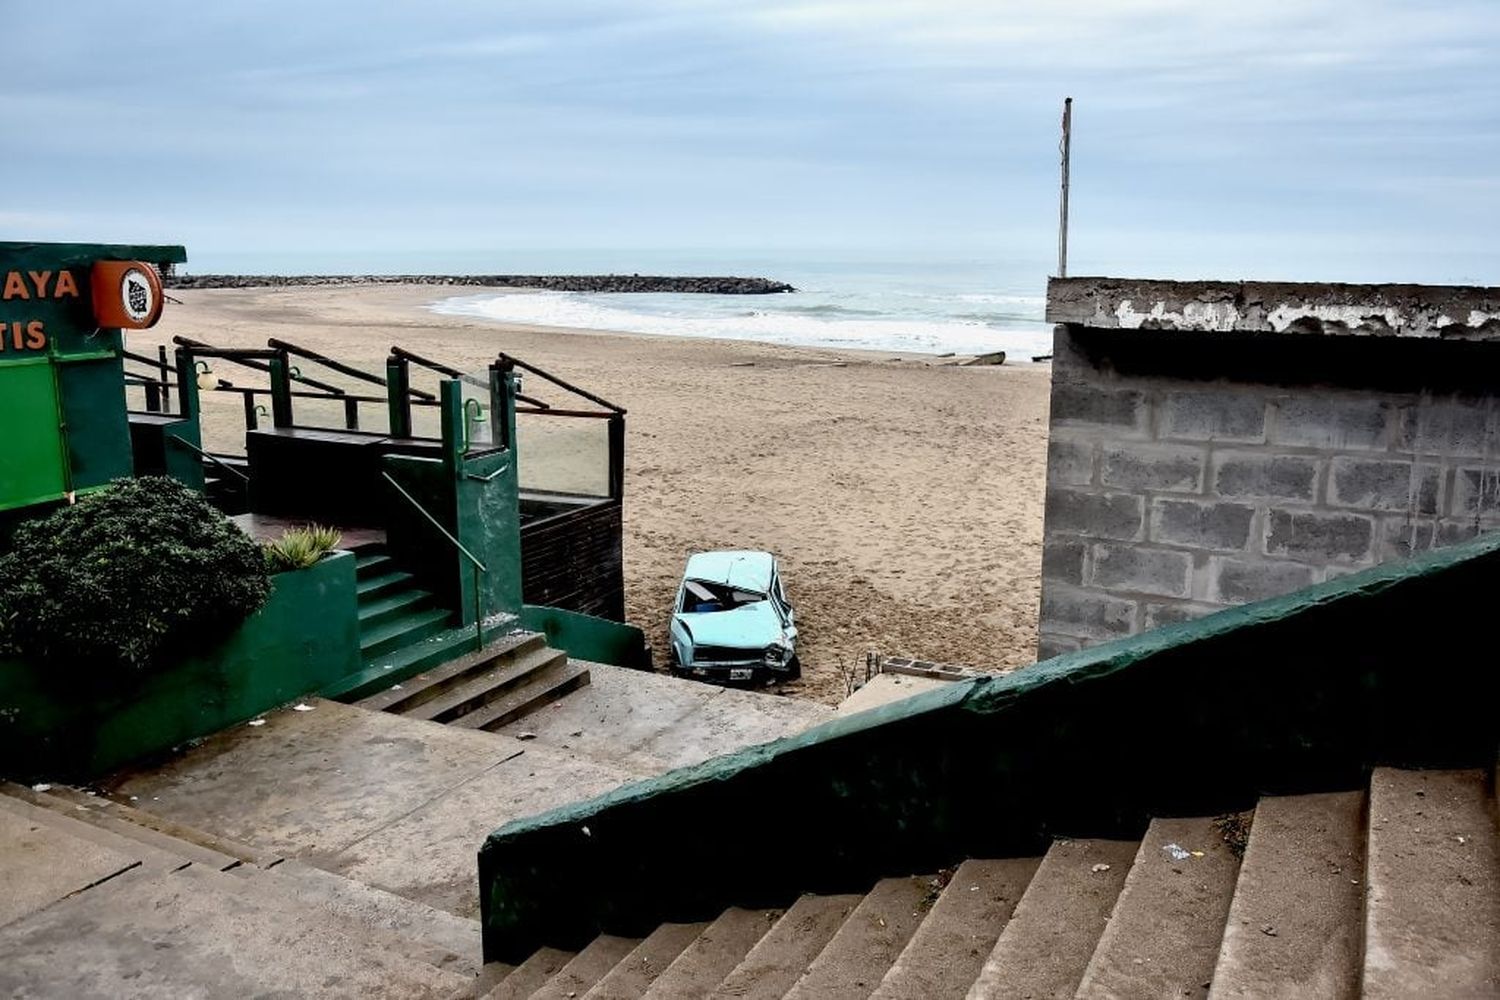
x=960 y=307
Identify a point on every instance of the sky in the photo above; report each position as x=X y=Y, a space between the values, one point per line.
x=1291 y=139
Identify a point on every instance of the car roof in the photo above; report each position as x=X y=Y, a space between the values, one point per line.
x=745 y=569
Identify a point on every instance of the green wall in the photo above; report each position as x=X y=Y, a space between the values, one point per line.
x=1301 y=693
x=585 y=637
x=55 y=725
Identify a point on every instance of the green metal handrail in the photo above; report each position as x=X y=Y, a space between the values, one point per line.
x=479 y=567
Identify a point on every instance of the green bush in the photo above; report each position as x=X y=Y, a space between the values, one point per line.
x=299 y=548
x=135 y=573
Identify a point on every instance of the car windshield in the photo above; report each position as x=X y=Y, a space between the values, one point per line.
x=701 y=596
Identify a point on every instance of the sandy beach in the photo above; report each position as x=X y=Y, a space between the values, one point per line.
x=903 y=495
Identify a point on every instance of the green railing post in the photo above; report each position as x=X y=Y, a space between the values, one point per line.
x=281 y=391
x=451 y=413
x=187 y=384
x=398 y=395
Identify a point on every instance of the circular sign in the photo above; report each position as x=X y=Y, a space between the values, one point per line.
x=136 y=295
x=126 y=294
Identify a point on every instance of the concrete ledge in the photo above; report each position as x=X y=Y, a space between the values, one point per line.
x=1300 y=693
x=1462 y=312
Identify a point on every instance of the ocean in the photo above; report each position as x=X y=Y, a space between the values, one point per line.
x=932 y=306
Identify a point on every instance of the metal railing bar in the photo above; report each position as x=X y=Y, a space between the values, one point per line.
x=339 y=366
x=434 y=522
x=590 y=414
x=248 y=357
x=212 y=458
x=506 y=359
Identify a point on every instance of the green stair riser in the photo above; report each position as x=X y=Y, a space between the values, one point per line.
x=403 y=631
x=380 y=610
x=386 y=583
x=382 y=673
x=373 y=565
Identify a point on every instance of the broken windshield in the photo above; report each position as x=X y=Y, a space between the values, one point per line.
x=701 y=596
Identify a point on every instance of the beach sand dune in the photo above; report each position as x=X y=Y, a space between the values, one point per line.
x=903 y=496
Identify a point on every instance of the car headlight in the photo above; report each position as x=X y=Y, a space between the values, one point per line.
x=774 y=655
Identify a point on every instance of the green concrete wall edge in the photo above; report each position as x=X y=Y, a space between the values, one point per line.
x=1299 y=693
x=83 y=254
x=303 y=637
x=586 y=637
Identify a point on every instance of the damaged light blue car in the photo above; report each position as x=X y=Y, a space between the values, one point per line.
x=732 y=621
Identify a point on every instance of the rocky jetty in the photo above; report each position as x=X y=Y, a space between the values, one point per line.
x=551 y=282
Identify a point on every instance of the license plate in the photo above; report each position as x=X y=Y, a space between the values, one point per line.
x=740 y=673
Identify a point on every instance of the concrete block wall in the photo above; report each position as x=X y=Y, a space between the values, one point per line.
x=1187 y=473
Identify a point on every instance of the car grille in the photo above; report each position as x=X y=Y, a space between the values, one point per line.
x=725 y=654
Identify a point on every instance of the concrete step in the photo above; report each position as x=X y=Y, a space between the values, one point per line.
x=1046 y=946
x=101 y=812
x=371 y=561
x=147 y=857
x=945 y=955
x=1294 y=925
x=635 y=973
x=477 y=688
x=542 y=687
x=382 y=583
x=711 y=956
x=528 y=977
x=863 y=949
x=196 y=933
x=1164 y=934
x=444 y=677
x=396 y=667
x=589 y=966
x=375 y=908
x=778 y=960
x=379 y=610
x=42 y=863
x=1432 y=910
x=400 y=632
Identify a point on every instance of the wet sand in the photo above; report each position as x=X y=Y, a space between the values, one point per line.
x=903 y=495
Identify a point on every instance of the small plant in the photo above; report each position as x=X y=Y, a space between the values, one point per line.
x=125 y=577
x=299 y=548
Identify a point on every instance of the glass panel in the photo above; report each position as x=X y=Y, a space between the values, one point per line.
x=563 y=454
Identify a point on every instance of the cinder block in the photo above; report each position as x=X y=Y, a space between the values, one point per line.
x=1457 y=427
x=1062 y=560
x=1151 y=467
x=1070 y=462
x=1476 y=491
x=1461 y=530
x=1332 y=422
x=1100 y=515
x=1240 y=581
x=1220 y=415
x=1050 y=645
x=1403 y=537
x=1201 y=524
x=1085 y=614
x=1144 y=571
x=1280 y=477
x=1319 y=537
x=1157 y=615
x=1383 y=484
x=1088 y=405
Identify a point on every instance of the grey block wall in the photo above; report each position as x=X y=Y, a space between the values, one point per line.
x=1183 y=479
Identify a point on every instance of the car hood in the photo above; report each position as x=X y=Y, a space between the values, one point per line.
x=747 y=626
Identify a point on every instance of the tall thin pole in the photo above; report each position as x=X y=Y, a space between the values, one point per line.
x=1062 y=208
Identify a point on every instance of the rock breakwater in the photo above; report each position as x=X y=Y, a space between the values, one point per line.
x=549 y=282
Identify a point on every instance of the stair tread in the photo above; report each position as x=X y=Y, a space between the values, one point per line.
x=383 y=581
x=384 y=632
x=587 y=967
x=1432 y=913
x=382 y=671
x=185 y=920
x=1164 y=934
x=946 y=953
x=436 y=680
x=1303 y=877
x=863 y=949
x=386 y=603
x=151 y=858
x=530 y=975
x=779 y=958
x=547 y=684
x=710 y=956
x=1051 y=935
x=635 y=973
x=494 y=679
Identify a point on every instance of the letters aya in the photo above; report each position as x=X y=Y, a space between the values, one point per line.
x=20 y=335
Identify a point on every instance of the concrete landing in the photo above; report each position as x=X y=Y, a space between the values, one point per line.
x=403 y=804
x=882 y=689
x=655 y=722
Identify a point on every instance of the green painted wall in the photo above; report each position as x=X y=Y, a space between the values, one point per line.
x=1304 y=692
x=56 y=725
x=585 y=637
x=76 y=437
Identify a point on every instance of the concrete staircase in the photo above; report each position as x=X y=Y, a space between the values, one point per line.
x=1389 y=893
x=103 y=899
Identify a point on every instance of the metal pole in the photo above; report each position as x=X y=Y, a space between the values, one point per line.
x=1062 y=211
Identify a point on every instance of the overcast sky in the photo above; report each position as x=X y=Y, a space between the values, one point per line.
x=1353 y=139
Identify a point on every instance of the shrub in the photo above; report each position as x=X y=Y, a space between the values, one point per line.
x=132 y=574
x=299 y=548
